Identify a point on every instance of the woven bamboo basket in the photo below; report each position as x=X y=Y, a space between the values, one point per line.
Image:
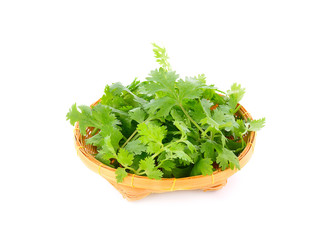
x=136 y=187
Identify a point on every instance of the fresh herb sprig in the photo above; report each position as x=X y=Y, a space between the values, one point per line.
x=165 y=126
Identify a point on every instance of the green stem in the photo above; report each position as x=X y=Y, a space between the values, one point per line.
x=135 y=137
x=131 y=169
x=160 y=165
x=134 y=133
x=237 y=109
x=139 y=171
x=243 y=144
x=228 y=124
x=166 y=147
x=242 y=141
x=189 y=117
x=94 y=131
x=131 y=136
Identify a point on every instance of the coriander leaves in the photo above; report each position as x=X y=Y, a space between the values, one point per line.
x=166 y=126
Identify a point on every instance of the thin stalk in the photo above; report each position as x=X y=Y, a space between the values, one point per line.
x=164 y=148
x=228 y=124
x=94 y=131
x=135 y=137
x=242 y=141
x=130 y=168
x=189 y=117
x=243 y=144
x=134 y=133
x=237 y=109
x=131 y=136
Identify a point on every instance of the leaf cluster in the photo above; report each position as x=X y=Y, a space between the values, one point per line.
x=166 y=126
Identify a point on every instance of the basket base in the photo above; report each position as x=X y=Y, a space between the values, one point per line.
x=215 y=188
x=130 y=193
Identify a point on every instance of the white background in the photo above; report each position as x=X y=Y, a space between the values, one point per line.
x=55 y=53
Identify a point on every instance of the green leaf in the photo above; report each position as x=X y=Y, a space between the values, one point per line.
x=196 y=110
x=203 y=166
x=120 y=174
x=151 y=133
x=108 y=151
x=182 y=128
x=137 y=114
x=84 y=117
x=193 y=148
x=256 y=125
x=180 y=172
x=154 y=174
x=233 y=145
x=148 y=165
x=73 y=115
x=176 y=150
x=161 y=81
x=189 y=89
x=206 y=105
x=118 y=96
x=208 y=149
x=160 y=107
x=135 y=147
x=153 y=147
x=183 y=156
x=103 y=115
x=235 y=94
x=240 y=128
x=99 y=116
x=125 y=158
x=226 y=158
x=177 y=115
x=218 y=121
x=112 y=93
x=167 y=165
x=124 y=119
x=114 y=134
x=212 y=93
x=161 y=56
x=96 y=140
x=202 y=78
x=133 y=86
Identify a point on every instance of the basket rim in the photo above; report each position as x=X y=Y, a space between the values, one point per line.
x=180 y=183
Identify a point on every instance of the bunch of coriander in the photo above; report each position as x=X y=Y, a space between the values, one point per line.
x=165 y=126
